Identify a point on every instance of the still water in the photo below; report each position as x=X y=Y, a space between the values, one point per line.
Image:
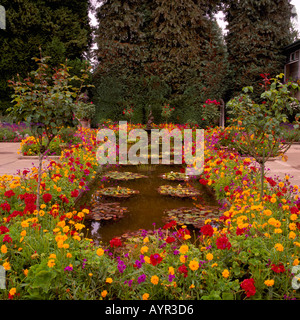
x=146 y=208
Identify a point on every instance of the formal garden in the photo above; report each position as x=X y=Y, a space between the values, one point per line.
x=111 y=213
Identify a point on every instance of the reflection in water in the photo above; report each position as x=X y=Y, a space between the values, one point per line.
x=146 y=208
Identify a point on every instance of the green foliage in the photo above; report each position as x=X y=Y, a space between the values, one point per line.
x=259 y=126
x=258 y=30
x=61 y=28
x=155 y=53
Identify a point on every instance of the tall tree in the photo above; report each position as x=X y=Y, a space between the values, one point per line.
x=258 y=30
x=160 y=44
x=60 y=27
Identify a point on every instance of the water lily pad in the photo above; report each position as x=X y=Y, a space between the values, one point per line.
x=117 y=175
x=106 y=211
x=191 y=216
x=179 y=191
x=118 y=192
x=181 y=176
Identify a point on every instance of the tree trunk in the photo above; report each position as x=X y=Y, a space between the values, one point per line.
x=38 y=191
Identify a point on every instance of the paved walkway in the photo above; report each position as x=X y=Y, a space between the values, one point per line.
x=11 y=162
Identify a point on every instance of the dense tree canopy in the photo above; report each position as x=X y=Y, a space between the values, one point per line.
x=60 y=27
x=258 y=30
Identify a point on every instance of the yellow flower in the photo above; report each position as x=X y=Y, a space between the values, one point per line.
x=293 y=217
x=269 y=283
x=145 y=296
x=292 y=235
x=69 y=255
x=52 y=256
x=278 y=247
x=144 y=249
x=79 y=226
x=184 y=249
x=273 y=200
x=192 y=286
x=292 y=226
x=296 y=262
x=90 y=274
x=24 y=224
x=214 y=265
x=3 y=248
x=12 y=291
x=109 y=280
x=147 y=259
x=51 y=263
x=6 y=266
x=154 y=280
x=182 y=259
x=100 y=252
x=225 y=273
x=43 y=206
x=104 y=293
x=25 y=272
x=146 y=240
x=41 y=213
x=171 y=270
x=194 y=265
x=209 y=256
x=267 y=212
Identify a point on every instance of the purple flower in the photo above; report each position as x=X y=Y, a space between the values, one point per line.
x=138 y=264
x=176 y=252
x=141 y=278
x=171 y=277
x=68 y=268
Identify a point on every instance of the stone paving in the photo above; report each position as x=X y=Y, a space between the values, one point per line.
x=11 y=162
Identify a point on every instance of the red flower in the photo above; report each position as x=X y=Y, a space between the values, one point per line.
x=3 y=229
x=5 y=206
x=183 y=269
x=47 y=197
x=182 y=232
x=278 y=268
x=9 y=193
x=223 y=243
x=170 y=239
x=226 y=189
x=240 y=231
x=248 y=286
x=115 y=242
x=7 y=238
x=74 y=193
x=203 y=181
x=207 y=230
x=294 y=210
x=155 y=259
x=171 y=224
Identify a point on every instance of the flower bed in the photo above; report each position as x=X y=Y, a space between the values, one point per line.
x=252 y=254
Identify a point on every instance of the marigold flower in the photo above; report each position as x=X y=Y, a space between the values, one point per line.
x=52 y=256
x=269 y=283
x=3 y=248
x=104 y=293
x=144 y=249
x=292 y=235
x=184 y=249
x=100 y=252
x=225 y=273
x=194 y=265
x=293 y=217
x=296 y=262
x=109 y=280
x=154 y=280
x=12 y=291
x=6 y=265
x=278 y=247
x=25 y=271
x=51 y=263
x=209 y=256
x=145 y=296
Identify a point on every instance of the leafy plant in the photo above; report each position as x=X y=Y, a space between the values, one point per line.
x=259 y=124
x=46 y=101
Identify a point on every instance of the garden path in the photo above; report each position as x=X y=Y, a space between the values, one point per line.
x=11 y=162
